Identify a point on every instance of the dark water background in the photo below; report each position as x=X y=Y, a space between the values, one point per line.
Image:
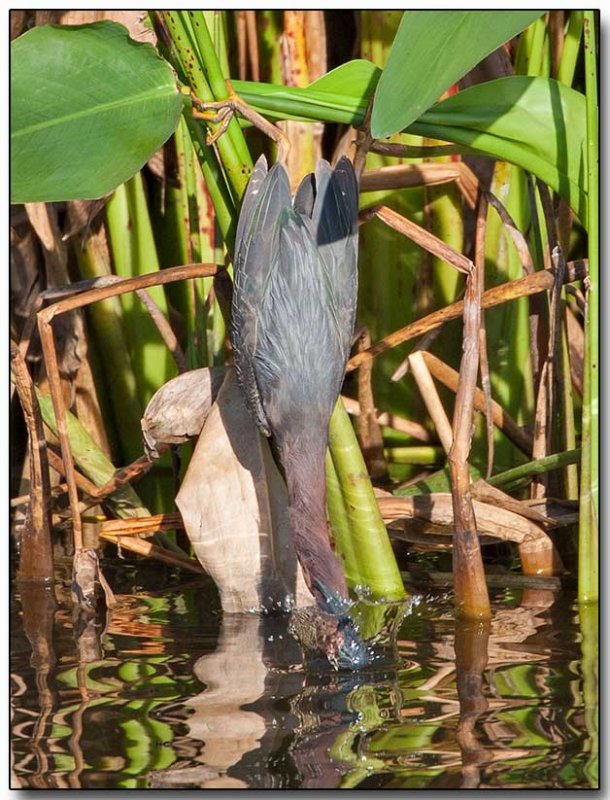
x=173 y=695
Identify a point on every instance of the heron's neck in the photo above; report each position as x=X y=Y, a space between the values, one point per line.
x=305 y=468
x=304 y=464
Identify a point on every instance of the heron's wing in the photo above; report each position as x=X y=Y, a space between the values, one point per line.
x=259 y=173
x=335 y=222
x=256 y=255
x=305 y=196
x=298 y=361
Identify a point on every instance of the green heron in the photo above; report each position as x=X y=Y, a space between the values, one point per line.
x=293 y=316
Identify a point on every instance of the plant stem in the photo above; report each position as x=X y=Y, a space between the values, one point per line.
x=541 y=465
x=426 y=456
x=588 y=568
x=107 y=322
x=571 y=47
x=369 y=539
x=340 y=525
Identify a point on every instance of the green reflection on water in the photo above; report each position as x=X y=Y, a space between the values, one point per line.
x=174 y=704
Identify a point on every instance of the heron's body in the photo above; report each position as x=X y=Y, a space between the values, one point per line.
x=293 y=318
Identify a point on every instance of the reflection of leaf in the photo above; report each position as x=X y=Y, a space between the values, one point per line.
x=528 y=731
x=235 y=677
x=239 y=524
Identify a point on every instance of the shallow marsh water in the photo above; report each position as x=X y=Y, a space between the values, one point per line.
x=178 y=697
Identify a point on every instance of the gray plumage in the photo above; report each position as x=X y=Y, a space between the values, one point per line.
x=293 y=316
x=295 y=294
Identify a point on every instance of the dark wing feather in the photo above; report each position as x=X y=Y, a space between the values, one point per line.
x=305 y=197
x=335 y=222
x=255 y=255
x=259 y=173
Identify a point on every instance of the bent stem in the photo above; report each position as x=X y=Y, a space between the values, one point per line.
x=471 y=595
x=368 y=549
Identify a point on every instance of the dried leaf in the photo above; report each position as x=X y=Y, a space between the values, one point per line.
x=80 y=214
x=178 y=410
x=235 y=510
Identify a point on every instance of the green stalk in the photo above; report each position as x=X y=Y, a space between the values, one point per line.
x=568 y=432
x=423 y=455
x=133 y=253
x=217 y=75
x=588 y=567
x=270 y=32
x=199 y=250
x=224 y=206
x=571 y=48
x=369 y=538
x=340 y=525
x=200 y=63
x=541 y=465
x=530 y=55
x=106 y=318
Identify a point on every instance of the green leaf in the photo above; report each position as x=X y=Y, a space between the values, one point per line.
x=89 y=106
x=536 y=123
x=342 y=95
x=432 y=50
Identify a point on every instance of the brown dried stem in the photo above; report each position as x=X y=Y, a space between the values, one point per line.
x=389 y=420
x=428 y=241
x=471 y=595
x=54 y=378
x=36 y=562
x=140 y=526
x=540 y=281
x=369 y=430
x=401 y=176
x=83 y=483
x=483 y=359
x=430 y=396
x=501 y=418
x=518 y=239
x=424 y=343
x=150 y=550
x=45 y=318
x=127 y=474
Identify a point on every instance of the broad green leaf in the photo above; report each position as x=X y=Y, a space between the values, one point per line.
x=536 y=123
x=432 y=50
x=89 y=106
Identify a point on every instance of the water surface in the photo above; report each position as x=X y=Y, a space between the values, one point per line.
x=170 y=694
